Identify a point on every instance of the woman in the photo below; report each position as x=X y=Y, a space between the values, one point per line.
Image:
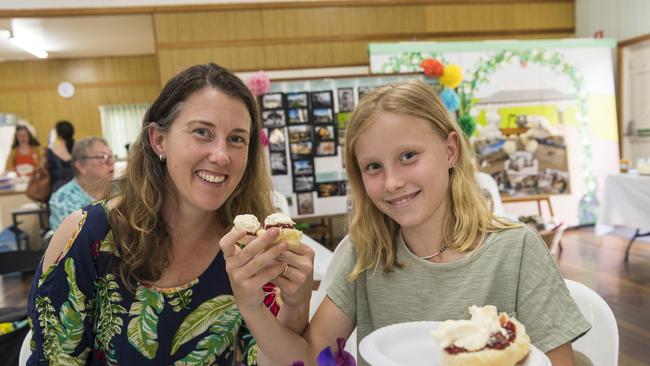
x=59 y=156
x=24 y=156
x=140 y=279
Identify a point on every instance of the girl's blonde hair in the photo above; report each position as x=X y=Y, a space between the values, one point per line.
x=139 y=228
x=467 y=219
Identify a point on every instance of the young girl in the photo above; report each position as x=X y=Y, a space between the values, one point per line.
x=422 y=244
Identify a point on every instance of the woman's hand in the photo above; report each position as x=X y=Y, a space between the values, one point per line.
x=251 y=267
x=296 y=280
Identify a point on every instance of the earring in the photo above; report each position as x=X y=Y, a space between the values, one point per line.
x=161 y=157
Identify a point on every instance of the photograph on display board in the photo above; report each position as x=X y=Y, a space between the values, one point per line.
x=300 y=133
x=300 y=150
x=272 y=101
x=332 y=189
x=323 y=115
x=363 y=90
x=303 y=183
x=346 y=99
x=326 y=148
x=273 y=118
x=297 y=100
x=324 y=133
x=305 y=203
x=277 y=139
x=343 y=119
x=303 y=167
x=278 y=163
x=298 y=115
x=322 y=99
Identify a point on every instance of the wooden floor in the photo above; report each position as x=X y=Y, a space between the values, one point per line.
x=595 y=261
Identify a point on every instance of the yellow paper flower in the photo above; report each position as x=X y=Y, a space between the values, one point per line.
x=451 y=77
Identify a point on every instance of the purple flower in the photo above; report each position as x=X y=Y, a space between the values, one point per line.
x=341 y=358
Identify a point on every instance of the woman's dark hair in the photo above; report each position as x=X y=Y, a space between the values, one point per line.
x=65 y=130
x=137 y=222
x=32 y=140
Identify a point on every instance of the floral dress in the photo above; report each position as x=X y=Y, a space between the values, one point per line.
x=82 y=314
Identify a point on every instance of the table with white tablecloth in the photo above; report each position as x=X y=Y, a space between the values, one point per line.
x=625 y=202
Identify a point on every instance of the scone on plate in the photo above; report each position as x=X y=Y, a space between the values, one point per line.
x=487 y=339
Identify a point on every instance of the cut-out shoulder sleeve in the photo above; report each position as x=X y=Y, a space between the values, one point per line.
x=62 y=295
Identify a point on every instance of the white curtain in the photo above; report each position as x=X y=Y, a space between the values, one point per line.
x=121 y=125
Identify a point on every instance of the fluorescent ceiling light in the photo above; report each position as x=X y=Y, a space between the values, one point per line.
x=28 y=46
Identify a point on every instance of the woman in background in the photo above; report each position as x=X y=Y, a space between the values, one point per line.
x=25 y=155
x=59 y=156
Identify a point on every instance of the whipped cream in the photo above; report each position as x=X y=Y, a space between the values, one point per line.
x=248 y=223
x=278 y=219
x=470 y=334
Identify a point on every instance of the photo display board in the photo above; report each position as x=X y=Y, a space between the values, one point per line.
x=305 y=122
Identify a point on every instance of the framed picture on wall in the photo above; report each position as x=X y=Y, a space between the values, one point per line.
x=273 y=118
x=300 y=150
x=297 y=100
x=363 y=90
x=300 y=133
x=272 y=101
x=323 y=115
x=326 y=148
x=324 y=133
x=346 y=99
x=331 y=189
x=303 y=183
x=278 y=163
x=298 y=115
x=322 y=99
x=305 y=203
x=277 y=139
x=303 y=167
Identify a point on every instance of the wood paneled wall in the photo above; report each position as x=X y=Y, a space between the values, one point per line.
x=29 y=90
x=309 y=35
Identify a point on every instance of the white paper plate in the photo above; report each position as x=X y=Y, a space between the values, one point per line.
x=411 y=344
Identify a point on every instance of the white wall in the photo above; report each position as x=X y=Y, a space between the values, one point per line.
x=620 y=19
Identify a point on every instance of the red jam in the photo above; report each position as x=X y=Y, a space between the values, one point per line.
x=496 y=341
x=282 y=226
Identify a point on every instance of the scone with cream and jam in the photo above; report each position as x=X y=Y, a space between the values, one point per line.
x=486 y=339
x=287 y=232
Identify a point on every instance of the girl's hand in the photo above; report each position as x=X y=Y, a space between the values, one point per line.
x=296 y=280
x=251 y=267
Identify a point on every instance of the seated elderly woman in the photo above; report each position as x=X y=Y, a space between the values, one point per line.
x=93 y=165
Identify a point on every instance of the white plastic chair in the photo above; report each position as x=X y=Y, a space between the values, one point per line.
x=318 y=296
x=25 y=351
x=488 y=183
x=280 y=202
x=600 y=344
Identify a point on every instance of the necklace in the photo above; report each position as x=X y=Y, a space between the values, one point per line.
x=444 y=247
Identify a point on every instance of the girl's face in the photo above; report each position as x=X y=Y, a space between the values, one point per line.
x=405 y=168
x=22 y=136
x=206 y=148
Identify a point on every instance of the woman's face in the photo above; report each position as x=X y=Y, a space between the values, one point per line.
x=206 y=148
x=22 y=136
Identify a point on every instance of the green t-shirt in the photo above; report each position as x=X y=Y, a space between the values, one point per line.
x=512 y=270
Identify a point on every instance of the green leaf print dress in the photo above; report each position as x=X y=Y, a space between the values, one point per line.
x=82 y=314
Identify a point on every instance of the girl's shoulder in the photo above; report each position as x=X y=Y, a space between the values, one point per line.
x=522 y=236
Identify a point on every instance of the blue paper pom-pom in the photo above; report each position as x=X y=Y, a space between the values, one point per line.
x=450 y=99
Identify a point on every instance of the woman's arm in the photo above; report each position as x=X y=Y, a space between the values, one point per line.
x=249 y=269
x=562 y=355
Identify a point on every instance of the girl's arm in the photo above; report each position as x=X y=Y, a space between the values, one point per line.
x=252 y=267
x=562 y=355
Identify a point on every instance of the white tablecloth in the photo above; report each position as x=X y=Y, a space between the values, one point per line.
x=625 y=202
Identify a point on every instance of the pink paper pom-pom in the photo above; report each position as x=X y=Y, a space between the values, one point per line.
x=258 y=83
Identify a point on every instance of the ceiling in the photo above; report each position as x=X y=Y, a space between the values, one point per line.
x=87 y=36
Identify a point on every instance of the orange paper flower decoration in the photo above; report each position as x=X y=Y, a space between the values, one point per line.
x=451 y=76
x=432 y=67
